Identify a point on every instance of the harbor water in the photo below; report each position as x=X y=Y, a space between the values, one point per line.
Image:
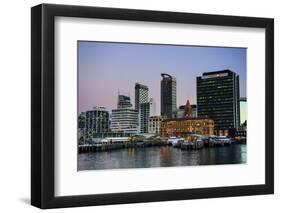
x=165 y=156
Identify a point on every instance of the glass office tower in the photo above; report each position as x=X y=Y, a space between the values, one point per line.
x=141 y=95
x=168 y=96
x=218 y=98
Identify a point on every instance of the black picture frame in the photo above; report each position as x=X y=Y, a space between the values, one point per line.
x=43 y=102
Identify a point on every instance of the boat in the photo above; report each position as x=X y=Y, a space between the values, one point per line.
x=193 y=142
x=174 y=141
x=219 y=140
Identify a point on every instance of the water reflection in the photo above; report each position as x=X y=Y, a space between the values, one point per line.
x=161 y=157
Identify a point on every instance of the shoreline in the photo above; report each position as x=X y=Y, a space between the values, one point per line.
x=117 y=146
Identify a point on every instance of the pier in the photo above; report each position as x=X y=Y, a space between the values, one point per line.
x=210 y=142
x=99 y=147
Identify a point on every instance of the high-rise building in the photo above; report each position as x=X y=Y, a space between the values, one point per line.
x=96 y=121
x=218 y=98
x=124 y=102
x=243 y=110
x=141 y=95
x=146 y=110
x=168 y=96
x=124 y=119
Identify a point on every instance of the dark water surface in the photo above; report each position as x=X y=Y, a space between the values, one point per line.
x=161 y=157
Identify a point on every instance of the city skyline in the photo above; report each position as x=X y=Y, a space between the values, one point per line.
x=113 y=68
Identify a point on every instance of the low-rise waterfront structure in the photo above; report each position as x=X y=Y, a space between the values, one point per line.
x=96 y=121
x=124 y=120
x=184 y=126
x=154 y=124
x=81 y=134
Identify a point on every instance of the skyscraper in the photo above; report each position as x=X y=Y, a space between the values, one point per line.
x=146 y=110
x=124 y=119
x=168 y=96
x=218 y=98
x=141 y=95
x=124 y=102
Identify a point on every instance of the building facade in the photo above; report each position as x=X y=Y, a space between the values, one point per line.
x=123 y=102
x=141 y=95
x=146 y=110
x=81 y=134
x=218 y=98
x=194 y=111
x=96 y=121
x=154 y=124
x=183 y=126
x=168 y=96
x=181 y=111
x=124 y=119
x=243 y=110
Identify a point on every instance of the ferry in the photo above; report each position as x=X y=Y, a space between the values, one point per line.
x=193 y=142
x=219 y=140
x=194 y=138
x=174 y=141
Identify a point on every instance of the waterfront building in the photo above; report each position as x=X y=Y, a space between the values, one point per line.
x=124 y=119
x=111 y=134
x=183 y=126
x=141 y=95
x=243 y=110
x=218 y=98
x=154 y=124
x=82 y=120
x=81 y=128
x=168 y=96
x=146 y=110
x=96 y=121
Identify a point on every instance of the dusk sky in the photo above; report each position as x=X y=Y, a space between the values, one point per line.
x=105 y=68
